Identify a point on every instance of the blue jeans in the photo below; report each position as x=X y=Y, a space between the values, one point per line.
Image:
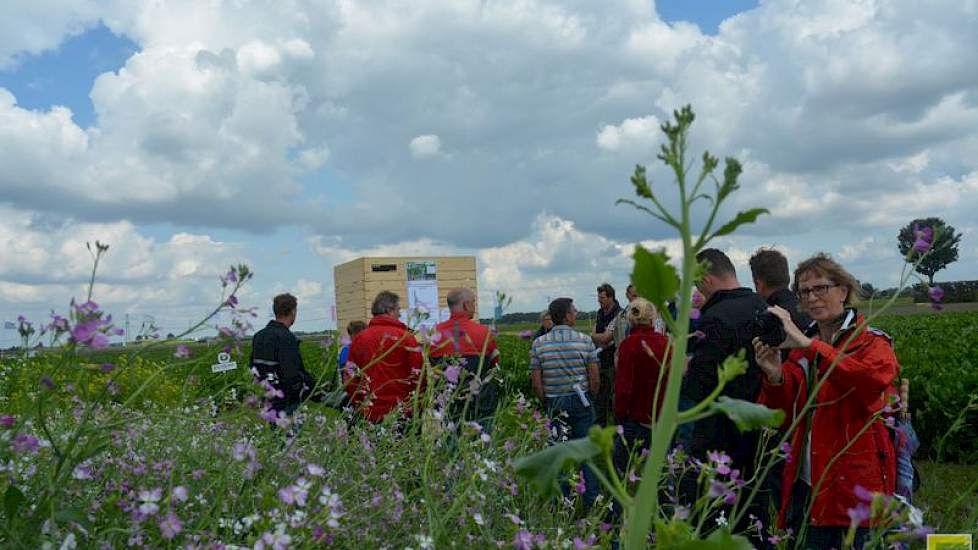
x=573 y=420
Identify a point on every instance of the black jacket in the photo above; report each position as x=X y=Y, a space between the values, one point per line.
x=275 y=356
x=725 y=321
x=607 y=353
x=788 y=300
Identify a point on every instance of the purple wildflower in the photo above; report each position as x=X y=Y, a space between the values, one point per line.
x=273 y=541
x=858 y=514
x=526 y=334
x=923 y=238
x=25 y=443
x=7 y=421
x=232 y=301
x=82 y=472
x=149 y=501
x=862 y=493
x=936 y=294
x=451 y=373
x=99 y=340
x=179 y=494
x=580 y=486
x=107 y=367
x=523 y=540
x=182 y=352
x=170 y=526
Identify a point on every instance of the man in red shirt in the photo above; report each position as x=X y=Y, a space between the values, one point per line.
x=463 y=343
x=388 y=361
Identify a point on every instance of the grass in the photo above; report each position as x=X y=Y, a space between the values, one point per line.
x=948 y=495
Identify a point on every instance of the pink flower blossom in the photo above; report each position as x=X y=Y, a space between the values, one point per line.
x=182 y=352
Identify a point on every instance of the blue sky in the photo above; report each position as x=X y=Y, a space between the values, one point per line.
x=231 y=133
x=64 y=76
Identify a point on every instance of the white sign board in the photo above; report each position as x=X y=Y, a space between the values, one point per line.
x=224 y=363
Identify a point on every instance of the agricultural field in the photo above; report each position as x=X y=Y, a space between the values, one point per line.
x=141 y=448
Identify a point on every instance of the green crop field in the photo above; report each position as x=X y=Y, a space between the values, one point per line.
x=165 y=450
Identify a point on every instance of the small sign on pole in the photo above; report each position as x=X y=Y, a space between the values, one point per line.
x=224 y=363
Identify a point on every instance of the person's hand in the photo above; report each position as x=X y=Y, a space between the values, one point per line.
x=795 y=338
x=769 y=359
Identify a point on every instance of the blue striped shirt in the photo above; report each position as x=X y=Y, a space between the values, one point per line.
x=563 y=355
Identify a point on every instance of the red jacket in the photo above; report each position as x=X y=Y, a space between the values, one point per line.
x=389 y=363
x=637 y=375
x=462 y=336
x=855 y=390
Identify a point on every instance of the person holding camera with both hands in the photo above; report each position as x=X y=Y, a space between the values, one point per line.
x=840 y=447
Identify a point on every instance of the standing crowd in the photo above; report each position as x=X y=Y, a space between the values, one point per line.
x=809 y=352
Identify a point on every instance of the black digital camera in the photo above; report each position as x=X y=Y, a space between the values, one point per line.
x=768 y=327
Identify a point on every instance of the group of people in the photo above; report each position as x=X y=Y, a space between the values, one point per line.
x=839 y=440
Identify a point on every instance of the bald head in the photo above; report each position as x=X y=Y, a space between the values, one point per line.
x=461 y=300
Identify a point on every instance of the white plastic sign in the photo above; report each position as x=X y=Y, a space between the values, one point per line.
x=224 y=363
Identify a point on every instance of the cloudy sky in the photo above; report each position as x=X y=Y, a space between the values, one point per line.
x=296 y=135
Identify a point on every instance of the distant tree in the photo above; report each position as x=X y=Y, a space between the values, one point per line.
x=868 y=290
x=170 y=336
x=943 y=251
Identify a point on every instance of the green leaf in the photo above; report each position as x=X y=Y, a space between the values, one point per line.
x=746 y=216
x=732 y=367
x=653 y=277
x=13 y=499
x=746 y=414
x=604 y=437
x=673 y=533
x=721 y=539
x=543 y=467
x=65 y=516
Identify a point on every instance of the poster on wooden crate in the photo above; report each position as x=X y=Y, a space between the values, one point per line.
x=422 y=288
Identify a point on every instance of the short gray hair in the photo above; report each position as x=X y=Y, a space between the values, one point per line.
x=458 y=296
x=385 y=302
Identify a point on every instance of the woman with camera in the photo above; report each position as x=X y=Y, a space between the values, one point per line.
x=840 y=448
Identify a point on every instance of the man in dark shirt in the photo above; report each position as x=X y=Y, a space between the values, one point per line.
x=769 y=269
x=604 y=340
x=725 y=321
x=275 y=357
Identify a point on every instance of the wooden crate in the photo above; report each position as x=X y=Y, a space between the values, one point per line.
x=357 y=282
